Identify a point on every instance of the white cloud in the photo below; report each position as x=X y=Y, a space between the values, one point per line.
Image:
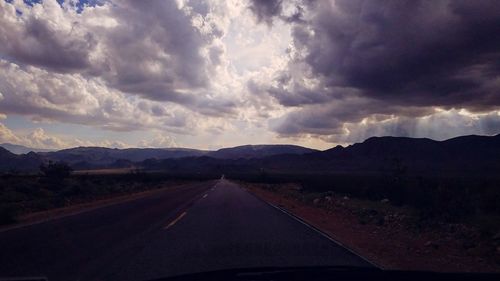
x=7 y=136
x=159 y=141
x=176 y=77
x=71 y=98
x=39 y=138
x=35 y=139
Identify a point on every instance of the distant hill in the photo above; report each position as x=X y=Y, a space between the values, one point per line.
x=465 y=156
x=89 y=157
x=21 y=149
x=376 y=154
x=258 y=151
x=101 y=157
x=19 y=163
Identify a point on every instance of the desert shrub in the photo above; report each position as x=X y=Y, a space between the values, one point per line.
x=310 y=197
x=56 y=170
x=40 y=204
x=8 y=213
x=488 y=225
x=489 y=199
x=447 y=196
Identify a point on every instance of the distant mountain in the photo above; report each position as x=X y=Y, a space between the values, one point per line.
x=467 y=155
x=19 y=163
x=258 y=151
x=81 y=158
x=89 y=157
x=21 y=149
x=101 y=157
x=464 y=156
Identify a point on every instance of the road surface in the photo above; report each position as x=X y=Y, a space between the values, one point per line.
x=199 y=227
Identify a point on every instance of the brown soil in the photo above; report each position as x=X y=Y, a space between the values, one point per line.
x=388 y=235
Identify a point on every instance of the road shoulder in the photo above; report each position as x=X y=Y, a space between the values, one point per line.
x=58 y=213
x=390 y=245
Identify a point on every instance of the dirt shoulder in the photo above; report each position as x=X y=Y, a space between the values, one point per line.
x=42 y=216
x=387 y=235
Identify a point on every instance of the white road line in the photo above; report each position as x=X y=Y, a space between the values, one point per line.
x=326 y=236
x=300 y=220
x=175 y=221
x=205 y=196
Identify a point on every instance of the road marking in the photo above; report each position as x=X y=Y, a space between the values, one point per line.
x=317 y=230
x=89 y=208
x=175 y=221
x=205 y=196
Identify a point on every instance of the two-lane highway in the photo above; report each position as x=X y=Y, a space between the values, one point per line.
x=200 y=227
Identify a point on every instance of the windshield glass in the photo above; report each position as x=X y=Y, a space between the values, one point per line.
x=150 y=139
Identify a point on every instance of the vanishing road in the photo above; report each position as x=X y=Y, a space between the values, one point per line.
x=195 y=228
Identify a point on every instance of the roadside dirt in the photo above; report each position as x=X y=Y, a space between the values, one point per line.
x=388 y=235
x=37 y=217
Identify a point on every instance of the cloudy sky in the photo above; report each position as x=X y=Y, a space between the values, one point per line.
x=210 y=74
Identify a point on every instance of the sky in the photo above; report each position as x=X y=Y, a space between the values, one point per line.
x=209 y=74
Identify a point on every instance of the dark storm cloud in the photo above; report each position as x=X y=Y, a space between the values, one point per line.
x=397 y=54
x=42 y=46
x=298 y=97
x=266 y=10
x=419 y=52
x=329 y=119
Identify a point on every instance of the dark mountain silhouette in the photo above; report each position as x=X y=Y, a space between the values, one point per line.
x=90 y=157
x=19 y=163
x=469 y=154
x=100 y=157
x=478 y=155
x=474 y=153
x=258 y=151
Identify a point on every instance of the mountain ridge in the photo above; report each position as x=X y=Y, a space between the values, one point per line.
x=464 y=153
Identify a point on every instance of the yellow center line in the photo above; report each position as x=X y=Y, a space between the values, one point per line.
x=175 y=221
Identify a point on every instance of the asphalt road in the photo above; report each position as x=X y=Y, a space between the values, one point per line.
x=196 y=228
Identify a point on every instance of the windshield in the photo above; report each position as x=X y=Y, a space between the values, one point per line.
x=151 y=139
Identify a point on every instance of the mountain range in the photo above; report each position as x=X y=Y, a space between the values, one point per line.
x=473 y=154
x=463 y=156
x=101 y=157
x=24 y=162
